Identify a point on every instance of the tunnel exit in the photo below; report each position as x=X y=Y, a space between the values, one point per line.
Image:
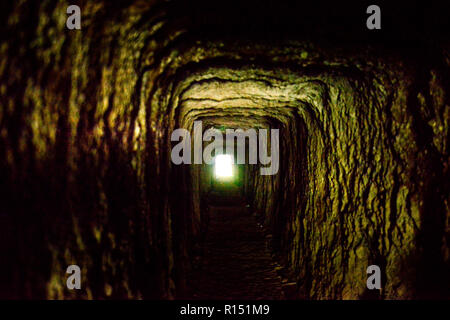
x=223 y=167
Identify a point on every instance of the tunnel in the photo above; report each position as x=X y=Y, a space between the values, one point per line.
x=87 y=175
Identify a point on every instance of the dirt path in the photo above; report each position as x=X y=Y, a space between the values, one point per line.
x=236 y=263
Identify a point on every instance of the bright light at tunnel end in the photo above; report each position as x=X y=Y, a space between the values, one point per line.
x=259 y=143
x=223 y=166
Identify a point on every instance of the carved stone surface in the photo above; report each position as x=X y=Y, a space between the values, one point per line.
x=85 y=172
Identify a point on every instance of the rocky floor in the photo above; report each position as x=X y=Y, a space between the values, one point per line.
x=236 y=262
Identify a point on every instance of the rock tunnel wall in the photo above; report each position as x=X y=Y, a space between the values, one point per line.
x=86 y=176
x=76 y=186
x=352 y=190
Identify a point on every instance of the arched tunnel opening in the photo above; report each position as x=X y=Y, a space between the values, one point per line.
x=357 y=174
